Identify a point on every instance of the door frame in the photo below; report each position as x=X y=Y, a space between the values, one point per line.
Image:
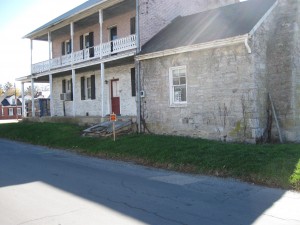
x=111 y=96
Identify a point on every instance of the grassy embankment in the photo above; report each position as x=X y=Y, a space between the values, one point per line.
x=271 y=165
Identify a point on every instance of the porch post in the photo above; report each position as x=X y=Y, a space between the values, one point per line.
x=72 y=41
x=23 y=100
x=102 y=87
x=32 y=98
x=51 y=95
x=74 y=91
x=102 y=66
x=32 y=81
x=50 y=75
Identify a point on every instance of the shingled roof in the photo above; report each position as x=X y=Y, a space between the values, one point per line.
x=72 y=12
x=221 y=23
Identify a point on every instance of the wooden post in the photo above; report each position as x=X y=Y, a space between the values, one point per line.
x=276 y=120
x=113 y=117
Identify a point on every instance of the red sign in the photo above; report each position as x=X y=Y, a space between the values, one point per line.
x=113 y=117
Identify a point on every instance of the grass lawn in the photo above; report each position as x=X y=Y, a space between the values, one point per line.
x=271 y=165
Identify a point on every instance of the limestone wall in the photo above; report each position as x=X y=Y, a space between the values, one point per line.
x=276 y=63
x=220 y=95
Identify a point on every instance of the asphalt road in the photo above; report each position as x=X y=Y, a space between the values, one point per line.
x=41 y=186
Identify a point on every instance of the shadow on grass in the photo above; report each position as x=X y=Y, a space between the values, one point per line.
x=132 y=191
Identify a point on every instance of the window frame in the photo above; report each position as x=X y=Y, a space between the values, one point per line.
x=172 y=86
x=19 y=111
x=10 y=110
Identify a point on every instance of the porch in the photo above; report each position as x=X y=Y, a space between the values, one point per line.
x=102 y=51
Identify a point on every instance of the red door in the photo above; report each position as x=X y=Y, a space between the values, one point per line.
x=115 y=98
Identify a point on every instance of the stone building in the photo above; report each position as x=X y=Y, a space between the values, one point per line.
x=203 y=69
x=210 y=74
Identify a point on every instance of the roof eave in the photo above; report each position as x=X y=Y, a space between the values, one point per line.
x=46 y=29
x=196 y=47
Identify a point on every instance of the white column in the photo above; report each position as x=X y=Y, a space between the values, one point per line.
x=74 y=91
x=31 y=47
x=102 y=87
x=23 y=101
x=102 y=67
x=51 y=95
x=32 y=97
x=50 y=75
x=72 y=41
x=101 y=31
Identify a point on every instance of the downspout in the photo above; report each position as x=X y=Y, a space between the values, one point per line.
x=247 y=44
x=137 y=68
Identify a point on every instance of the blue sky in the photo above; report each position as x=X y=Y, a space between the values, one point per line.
x=18 y=18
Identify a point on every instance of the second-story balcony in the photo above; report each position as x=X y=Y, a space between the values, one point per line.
x=96 y=52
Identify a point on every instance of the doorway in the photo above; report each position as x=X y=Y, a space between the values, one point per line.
x=115 y=97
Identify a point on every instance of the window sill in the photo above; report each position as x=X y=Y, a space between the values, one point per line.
x=182 y=105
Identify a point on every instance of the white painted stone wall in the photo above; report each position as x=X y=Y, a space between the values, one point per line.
x=93 y=107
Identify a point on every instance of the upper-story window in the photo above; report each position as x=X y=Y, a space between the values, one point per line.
x=86 y=41
x=66 y=47
x=132 y=25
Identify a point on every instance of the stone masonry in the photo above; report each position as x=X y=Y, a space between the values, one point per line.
x=227 y=88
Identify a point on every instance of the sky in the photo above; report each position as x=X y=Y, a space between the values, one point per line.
x=18 y=18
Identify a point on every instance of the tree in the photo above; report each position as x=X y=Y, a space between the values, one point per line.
x=8 y=86
x=28 y=91
x=1 y=90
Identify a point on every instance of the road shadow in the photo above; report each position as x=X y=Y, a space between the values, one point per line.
x=149 y=196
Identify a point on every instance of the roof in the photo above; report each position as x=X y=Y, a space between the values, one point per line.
x=5 y=102
x=220 y=23
x=72 y=12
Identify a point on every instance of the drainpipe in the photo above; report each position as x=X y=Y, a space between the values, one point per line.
x=137 y=67
x=247 y=45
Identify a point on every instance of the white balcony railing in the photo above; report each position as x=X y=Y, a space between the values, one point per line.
x=109 y=48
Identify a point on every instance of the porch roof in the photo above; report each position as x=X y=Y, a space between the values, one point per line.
x=72 y=12
x=217 y=24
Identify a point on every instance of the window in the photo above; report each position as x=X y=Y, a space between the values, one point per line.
x=87 y=41
x=66 y=47
x=13 y=101
x=88 y=87
x=2 y=111
x=10 y=111
x=178 y=85
x=133 y=90
x=132 y=25
x=19 y=111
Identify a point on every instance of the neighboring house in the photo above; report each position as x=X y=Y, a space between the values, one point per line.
x=10 y=107
x=195 y=69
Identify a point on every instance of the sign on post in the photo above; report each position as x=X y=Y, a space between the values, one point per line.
x=113 y=118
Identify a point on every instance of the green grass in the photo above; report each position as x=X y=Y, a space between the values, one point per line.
x=271 y=165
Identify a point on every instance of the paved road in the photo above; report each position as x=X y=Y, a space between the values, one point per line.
x=41 y=186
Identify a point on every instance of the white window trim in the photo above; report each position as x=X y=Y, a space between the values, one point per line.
x=19 y=111
x=66 y=47
x=87 y=87
x=86 y=36
x=171 y=92
x=10 y=110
